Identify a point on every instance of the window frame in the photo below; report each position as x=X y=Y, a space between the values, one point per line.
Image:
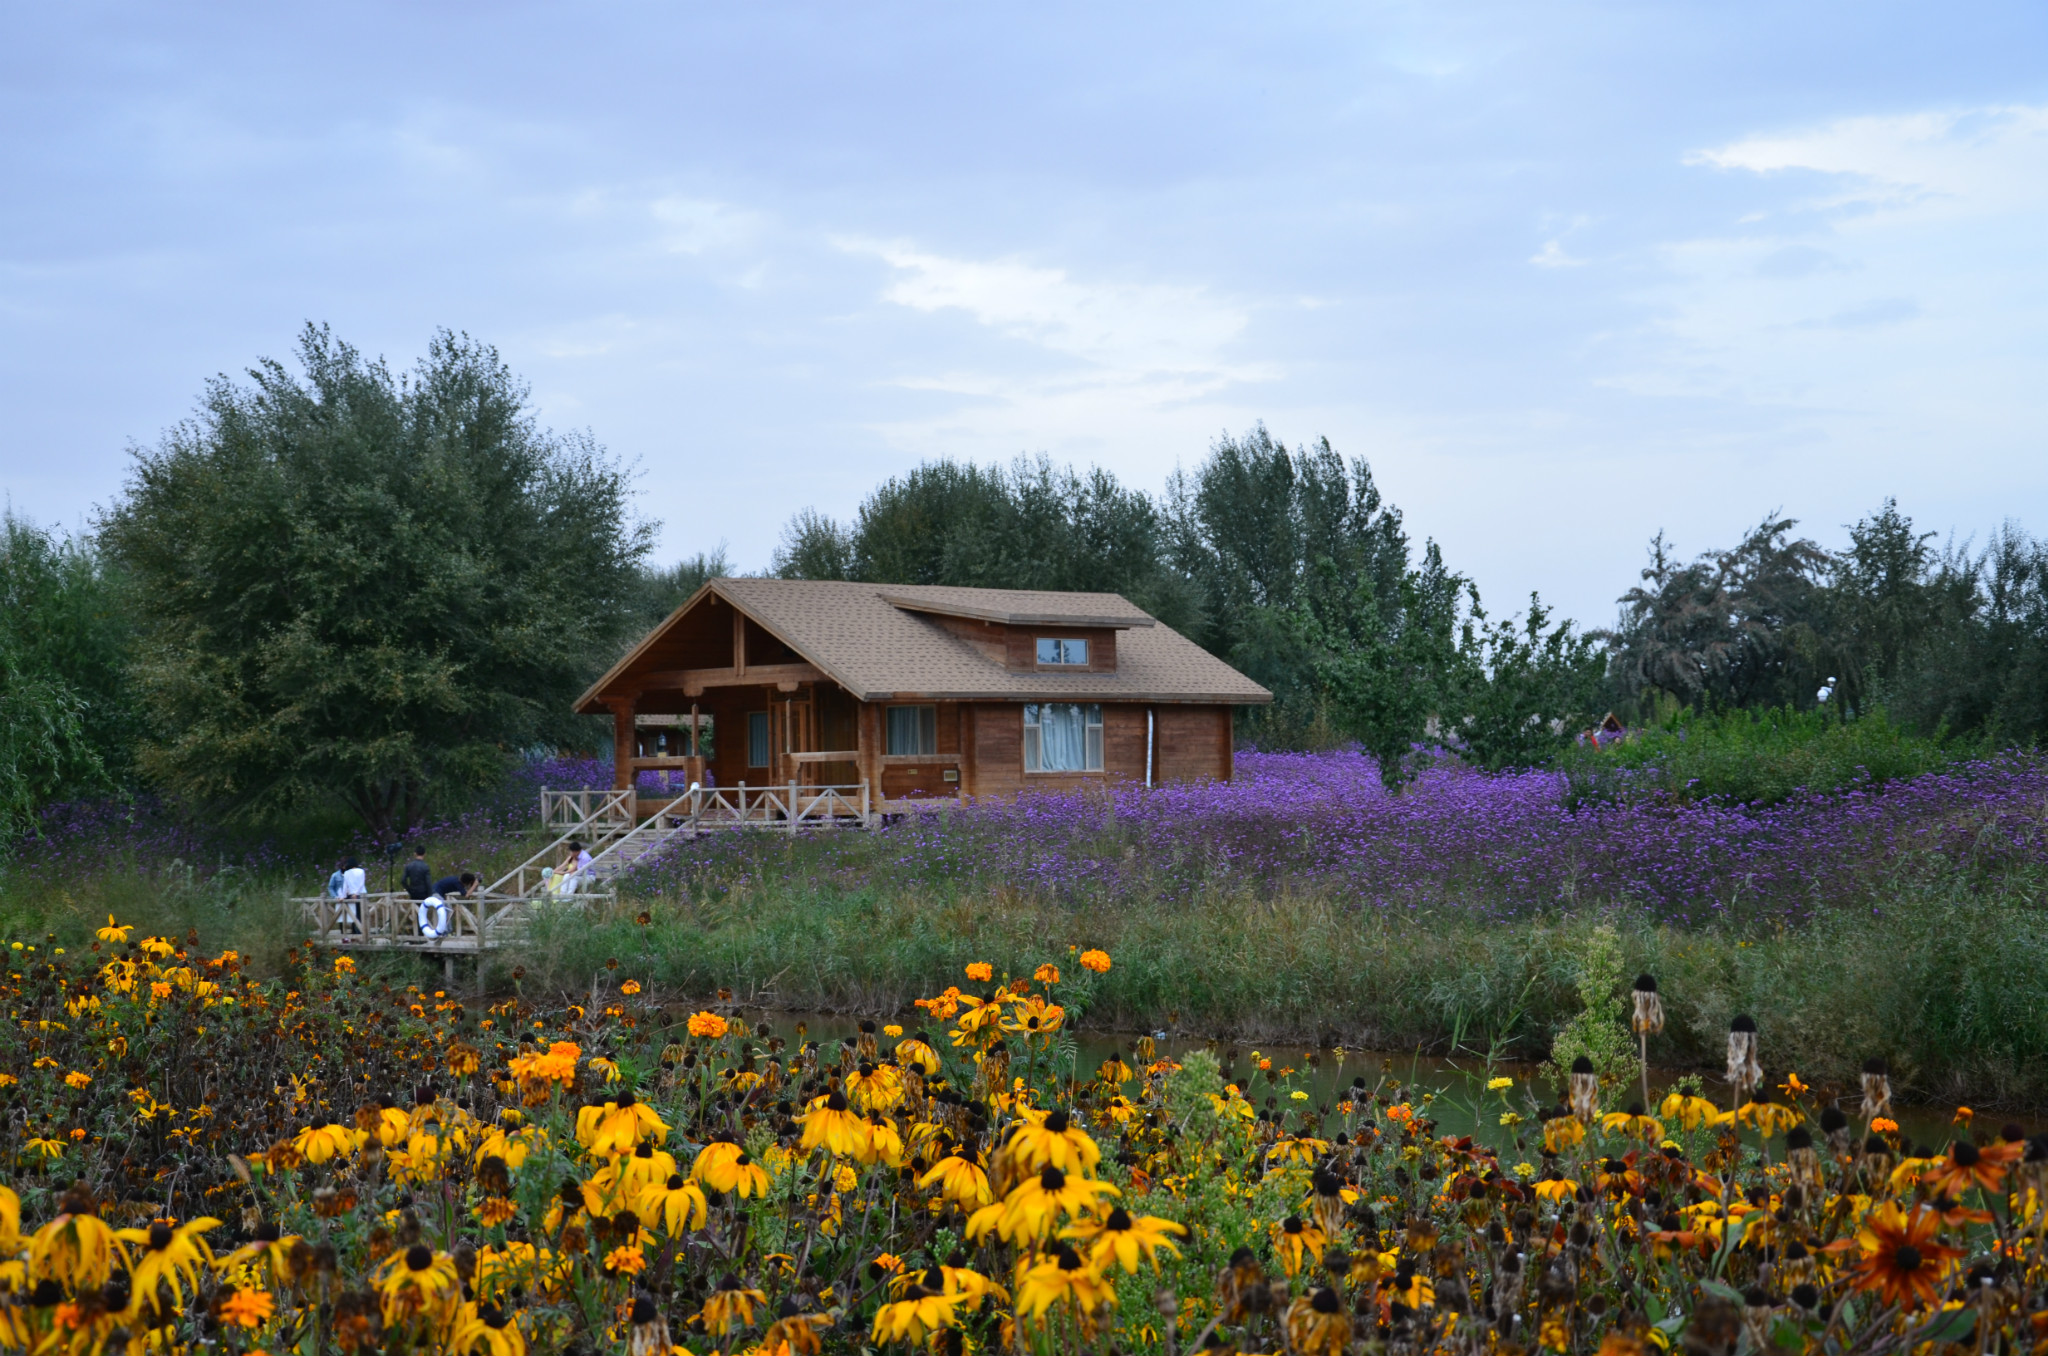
x=1093 y=741
x=758 y=721
x=1059 y=645
x=927 y=730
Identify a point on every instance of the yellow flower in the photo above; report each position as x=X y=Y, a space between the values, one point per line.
x=328 y=1141
x=75 y=1250
x=959 y=1181
x=630 y=987
x=1294 y=1237
x=628 y=1261
x=1689 y=1112
x=1050 y=1139
x=981 y=972
x=919 y=1052
x=1496 y=1084
x=486 y=1330
x=115 y=933
x=418 y=1281
x=249 y=1308
x=708 y=1025
x=725 y=1166
x=916 y=1317
x=678 y=1203
x=1123 y=1238
x=1047 y=974
x=730 y=1306
x=77 y=1079
x=618 y=1126
x=1062 y=1277
x=344 y=965
x=1031 y=1209
x=172 y=1256
x=830 y=1125
x=1098 y=961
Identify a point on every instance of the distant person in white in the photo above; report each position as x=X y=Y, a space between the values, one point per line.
x=355 y=885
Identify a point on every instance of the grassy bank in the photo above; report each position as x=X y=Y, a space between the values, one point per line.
x=1952 y=989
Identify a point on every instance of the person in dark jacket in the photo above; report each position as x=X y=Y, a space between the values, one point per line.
x=419 y=877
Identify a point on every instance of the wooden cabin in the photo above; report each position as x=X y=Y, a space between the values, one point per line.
x=915 y=693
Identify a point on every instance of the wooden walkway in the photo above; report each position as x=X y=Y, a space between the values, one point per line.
x=614 y=827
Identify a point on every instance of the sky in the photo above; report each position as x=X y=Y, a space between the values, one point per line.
x=1565 y=274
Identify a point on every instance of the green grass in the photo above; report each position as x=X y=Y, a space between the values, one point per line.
x=1953 y=990
x=1755 y=757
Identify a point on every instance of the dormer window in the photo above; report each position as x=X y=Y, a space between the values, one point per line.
x=1054 y=651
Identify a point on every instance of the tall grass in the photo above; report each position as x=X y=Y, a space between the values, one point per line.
x=1951 y=986
x=1754 y=758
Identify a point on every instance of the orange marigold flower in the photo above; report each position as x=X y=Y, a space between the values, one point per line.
x=980 y=971
x=1047 y=974
x=630 y=987
x=249 y=1308
x=1095 y=960
x=708 y=1025
x=626 y=1261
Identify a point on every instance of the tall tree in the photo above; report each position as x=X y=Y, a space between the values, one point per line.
x=370 y=587
x=67 y=726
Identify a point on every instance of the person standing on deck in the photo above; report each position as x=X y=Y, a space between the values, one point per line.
x=355 y=885
x=419 y=878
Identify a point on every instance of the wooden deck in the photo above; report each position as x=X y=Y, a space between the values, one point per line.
x=618 y=828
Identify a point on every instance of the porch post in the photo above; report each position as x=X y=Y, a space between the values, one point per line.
x=622 y=744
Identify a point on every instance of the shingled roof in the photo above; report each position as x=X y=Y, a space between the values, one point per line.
x=884 y=642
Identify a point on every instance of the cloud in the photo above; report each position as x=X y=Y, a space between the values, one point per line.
x=1117 y=360
x=693 y=225
x=1130 y=327
x=1552 y=255
x=1982 y=159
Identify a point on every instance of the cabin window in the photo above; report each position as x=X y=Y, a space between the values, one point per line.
x=912 y=729
x=1062 y=737
x=1055 y=651
x=757 y=739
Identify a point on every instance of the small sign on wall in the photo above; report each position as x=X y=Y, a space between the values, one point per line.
x=952 y=774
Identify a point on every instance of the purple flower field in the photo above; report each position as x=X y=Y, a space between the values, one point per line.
x=1493 y=847
x=1501 y=847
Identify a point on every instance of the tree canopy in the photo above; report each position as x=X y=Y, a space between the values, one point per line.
x=367 y=585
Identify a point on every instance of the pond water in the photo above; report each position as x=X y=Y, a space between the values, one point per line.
x=1461 y=1102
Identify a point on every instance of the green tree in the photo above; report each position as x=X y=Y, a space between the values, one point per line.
x=369 y=587
x=664 y=588
x=67 y=720
x=1530 y=687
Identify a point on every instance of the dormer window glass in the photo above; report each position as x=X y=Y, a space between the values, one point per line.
x=1055 y=651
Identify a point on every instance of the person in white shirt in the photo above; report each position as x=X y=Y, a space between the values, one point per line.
x=355 y=885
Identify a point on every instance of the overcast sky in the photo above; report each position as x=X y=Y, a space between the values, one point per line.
x=1565 y=274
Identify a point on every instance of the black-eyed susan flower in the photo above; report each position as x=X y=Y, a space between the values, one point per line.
x=485 y=1329
x=417 y=1282
x=1051 y=1139
x=173 y=1256
x=831 y=1125
x=874 y=1087
x=1635 y=1123
x=1062 y=1278
x=917 y=1052
x=618 y=1126
x=914 y=1318
x=1903 y=1258
x=320 y=1143
x=1298 y=1241
x=679 y=1203
x=959 y=1181
x=1967 y=1165
x=1317 y=1324
x=1123 y=1239
x=730 y=1306
x=1039 y=1202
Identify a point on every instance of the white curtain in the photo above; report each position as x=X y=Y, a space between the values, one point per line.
x=1063 y=737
